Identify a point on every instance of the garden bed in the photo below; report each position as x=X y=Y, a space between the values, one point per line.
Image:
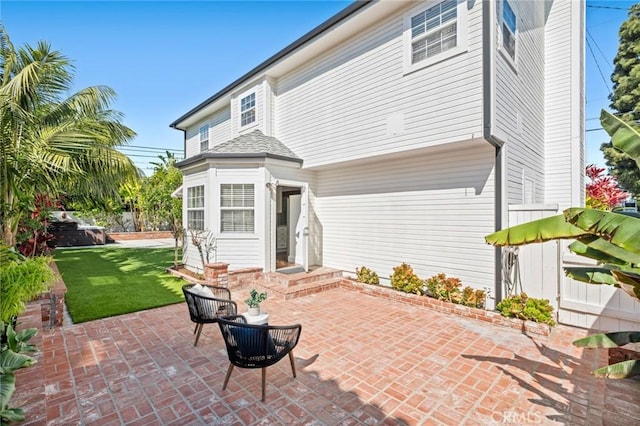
x=448 y=307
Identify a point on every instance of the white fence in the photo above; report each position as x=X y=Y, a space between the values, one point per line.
x=598 y=307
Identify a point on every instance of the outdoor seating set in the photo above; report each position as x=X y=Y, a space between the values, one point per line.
x=248 y=345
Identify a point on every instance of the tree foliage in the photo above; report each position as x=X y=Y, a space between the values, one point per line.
x=625 y=99
x=602 y=192
x=52 y=143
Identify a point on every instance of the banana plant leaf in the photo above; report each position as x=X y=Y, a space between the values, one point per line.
x=11 y=361
x=621 y=370
x=625 y=277
x=620 y=230
x=596 y=248
x=537 y=231
x=623 y=136
x=608 y=340
x=592 y=275
x=628 y=281
x=7 y=387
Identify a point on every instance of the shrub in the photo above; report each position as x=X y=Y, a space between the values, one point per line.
x=450 y=289
x=404 y=279
x=366 y=275
x=527 y=308
x=22 y=279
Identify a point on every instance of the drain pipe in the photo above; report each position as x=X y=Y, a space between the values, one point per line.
x=488 y=86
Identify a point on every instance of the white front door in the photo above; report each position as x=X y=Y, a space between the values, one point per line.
x=298 y=227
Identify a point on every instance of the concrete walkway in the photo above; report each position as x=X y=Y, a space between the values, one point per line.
x=361 y=360
x=143 y=243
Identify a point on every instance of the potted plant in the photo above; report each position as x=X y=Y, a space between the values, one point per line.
x=254 y=300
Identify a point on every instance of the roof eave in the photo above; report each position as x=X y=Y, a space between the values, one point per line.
x=234 y=155
x=335 y=19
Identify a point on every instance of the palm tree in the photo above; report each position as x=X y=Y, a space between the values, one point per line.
x=49 y=143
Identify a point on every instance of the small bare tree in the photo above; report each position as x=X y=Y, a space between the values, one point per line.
x=205 y=242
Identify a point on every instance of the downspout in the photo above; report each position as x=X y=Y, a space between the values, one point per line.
x=488 y=73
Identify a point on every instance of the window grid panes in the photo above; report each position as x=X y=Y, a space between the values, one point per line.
x=204 y=138
x=237 y=208
x=248 y=109
x=434 y=30
x=509 y=23
x=195 y=207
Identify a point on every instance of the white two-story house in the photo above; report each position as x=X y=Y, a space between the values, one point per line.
x=394 y=132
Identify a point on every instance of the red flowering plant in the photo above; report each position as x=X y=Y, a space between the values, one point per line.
x=602 y=192
x=33 y=237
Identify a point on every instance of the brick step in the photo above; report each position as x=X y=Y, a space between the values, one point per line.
x=302 y=278
x=288 y=293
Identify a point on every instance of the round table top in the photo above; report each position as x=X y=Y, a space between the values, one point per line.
x=263 y=318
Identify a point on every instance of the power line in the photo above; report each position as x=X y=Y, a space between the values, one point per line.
x=593 y=40
x=150 y=148
x=155 y=157
x=604 y=80
x=593 y=6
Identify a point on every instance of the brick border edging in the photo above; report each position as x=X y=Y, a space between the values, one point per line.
x=52 y=302
x=143 y=235
x=491 y=317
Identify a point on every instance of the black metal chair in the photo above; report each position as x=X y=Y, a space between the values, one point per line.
x=205 y=309
x=257 y=346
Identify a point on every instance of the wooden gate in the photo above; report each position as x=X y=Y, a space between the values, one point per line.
x=578 y=304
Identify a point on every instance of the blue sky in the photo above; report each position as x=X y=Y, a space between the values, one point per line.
x=163 y=57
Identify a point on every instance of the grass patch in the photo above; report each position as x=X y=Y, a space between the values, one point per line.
x=103 y=282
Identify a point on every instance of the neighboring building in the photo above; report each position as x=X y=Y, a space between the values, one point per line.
x=393 y=132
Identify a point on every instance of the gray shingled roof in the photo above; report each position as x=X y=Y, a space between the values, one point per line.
x=254 y=143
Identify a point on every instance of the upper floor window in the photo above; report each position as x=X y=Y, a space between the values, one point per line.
x=195 y=207
x=237 y=207
x=509 y=29
x=434 y=33
x=248 y=109
x=204 y=138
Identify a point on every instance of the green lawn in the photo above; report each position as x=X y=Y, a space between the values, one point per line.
x=103 y=282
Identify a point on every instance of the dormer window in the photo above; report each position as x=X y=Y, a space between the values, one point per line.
x=434 y=33
x=204 y=138
x=248 y=109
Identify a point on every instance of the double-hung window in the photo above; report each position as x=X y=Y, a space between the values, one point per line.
x=195 y=207
x=204 y=138
x=248 y=109
x=434 y=33
x=237 y=211
x=509 y=25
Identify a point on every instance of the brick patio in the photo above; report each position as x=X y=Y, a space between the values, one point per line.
x=361 y=360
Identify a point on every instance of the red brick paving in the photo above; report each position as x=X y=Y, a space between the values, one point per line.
x=360 y=360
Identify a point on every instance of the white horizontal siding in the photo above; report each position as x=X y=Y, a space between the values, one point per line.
x=564 y=104
x=220 y=127
x=335 y=108
x=519 y=103
x=219 y=131
x=430 y=210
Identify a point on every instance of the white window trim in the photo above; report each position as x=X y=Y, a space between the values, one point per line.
x=200 y=136
x=197 y=208
x=462 y=37
x=512 y=61
x=221 y=209
x=255 y=110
